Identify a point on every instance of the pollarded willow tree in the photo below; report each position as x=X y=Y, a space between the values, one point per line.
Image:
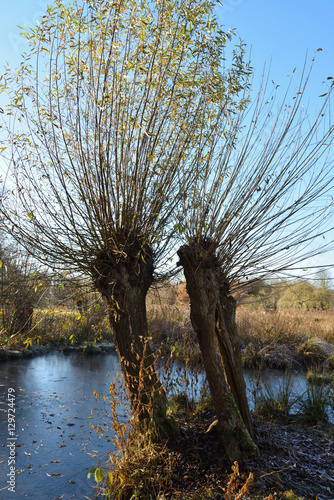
x=110 y=113
x=254 y=213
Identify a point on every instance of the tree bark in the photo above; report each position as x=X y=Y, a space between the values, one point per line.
x=204 y=304
x=229 y=348
x=124 y=282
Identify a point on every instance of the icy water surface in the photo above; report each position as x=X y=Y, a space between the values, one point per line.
x=55 y=443
x=55 y=408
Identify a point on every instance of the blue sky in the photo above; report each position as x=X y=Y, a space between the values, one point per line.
x=281 y=32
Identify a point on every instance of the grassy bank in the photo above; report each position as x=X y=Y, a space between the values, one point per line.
x=60 y=327
x=287 y=338
x=281 y=339
x=275 y=339
x=284 y=339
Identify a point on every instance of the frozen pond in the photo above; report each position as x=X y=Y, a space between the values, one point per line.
x=55 y=409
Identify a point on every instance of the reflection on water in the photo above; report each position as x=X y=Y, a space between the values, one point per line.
x=54 y=402
x=56 y=445
x=177 y=378
x=274 y=379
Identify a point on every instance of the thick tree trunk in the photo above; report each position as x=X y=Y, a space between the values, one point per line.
x=229 y=348
x=204 y=304
x=124 y=283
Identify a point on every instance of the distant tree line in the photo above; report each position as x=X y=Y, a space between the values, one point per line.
x=297 y=294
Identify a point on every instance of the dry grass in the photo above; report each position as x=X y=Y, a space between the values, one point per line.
x=285 y=325
x=170 y=328
x=171 y=319
x=280 y=339
x=61 y=326
x=237 y=488
x=286 y=338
